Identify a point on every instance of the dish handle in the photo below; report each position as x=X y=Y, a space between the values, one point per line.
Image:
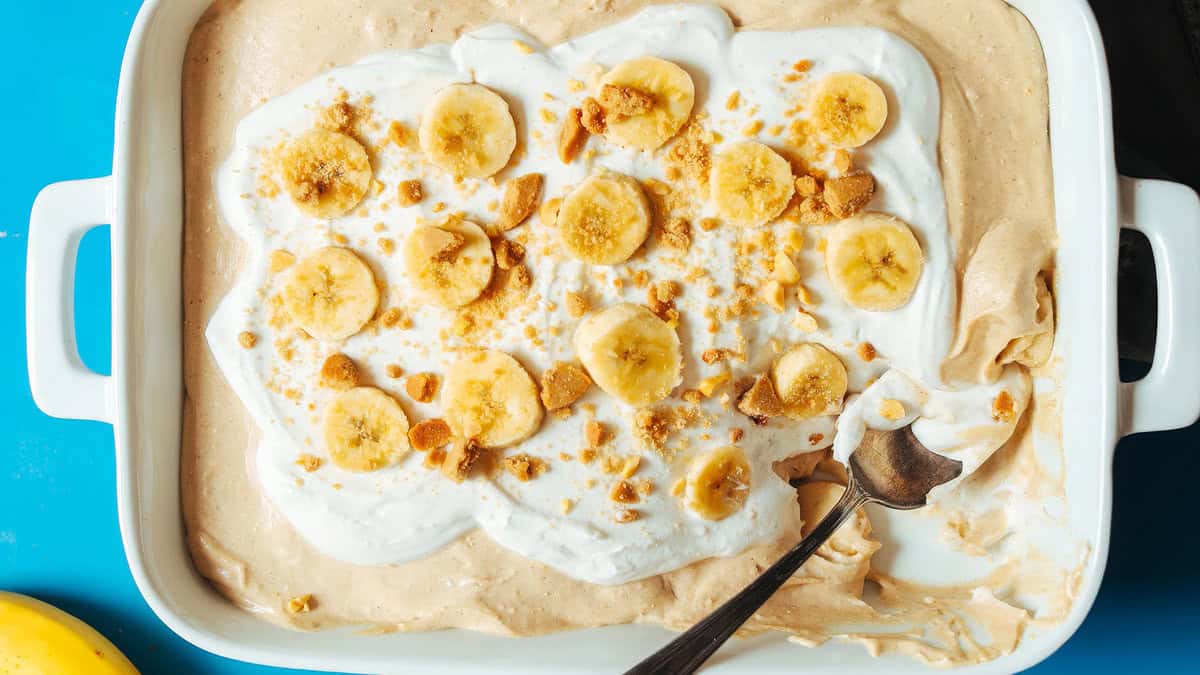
x=62 y=385
x=1169 y=215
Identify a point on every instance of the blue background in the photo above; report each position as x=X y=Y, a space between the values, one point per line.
x=58 y=524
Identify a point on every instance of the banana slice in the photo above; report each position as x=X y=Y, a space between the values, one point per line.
x=873 y=261
x=718 y=483
x=672 y=93
x=325 y=172
x=451 y=264
x=365 y=430
x=630 y=353
x=810 y=381
x=331 y=293
x=468 y=130
x=751 y=183
x=488 y=396
x=605 y=219
x=848 y=109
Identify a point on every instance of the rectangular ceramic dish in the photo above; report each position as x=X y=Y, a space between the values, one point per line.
x=142 y=399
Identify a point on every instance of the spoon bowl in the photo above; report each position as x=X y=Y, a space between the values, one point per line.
x=893 y=469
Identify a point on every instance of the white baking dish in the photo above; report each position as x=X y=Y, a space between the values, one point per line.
x=142 y=399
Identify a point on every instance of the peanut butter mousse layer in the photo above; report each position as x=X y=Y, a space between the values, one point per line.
x=476 y=268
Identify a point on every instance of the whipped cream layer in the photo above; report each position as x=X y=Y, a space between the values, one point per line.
x=405 y=511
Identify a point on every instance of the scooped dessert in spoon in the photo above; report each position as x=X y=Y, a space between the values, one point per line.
x=891 y=468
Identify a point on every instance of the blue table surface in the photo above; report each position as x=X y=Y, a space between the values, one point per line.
x=58 y=524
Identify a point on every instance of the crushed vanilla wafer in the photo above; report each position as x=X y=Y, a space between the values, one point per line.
x=572 y=138
x=422 y=387
x=760 y=400
x=508 y=253
x=339 y=372
x=429 y=434
x=460 y=459
x=525 y=467
x=596 y=435
x=563 y=384
x=300 y=604
x=409 y=192
x=521 y=196
x=848 y=195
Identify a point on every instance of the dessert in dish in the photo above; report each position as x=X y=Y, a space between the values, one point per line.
x=590 y=316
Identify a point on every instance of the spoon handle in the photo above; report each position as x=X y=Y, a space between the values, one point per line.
x=686 y=653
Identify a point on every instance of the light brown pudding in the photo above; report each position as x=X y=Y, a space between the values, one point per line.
x=994 y=157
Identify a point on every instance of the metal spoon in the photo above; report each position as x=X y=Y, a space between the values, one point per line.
x=890 y=468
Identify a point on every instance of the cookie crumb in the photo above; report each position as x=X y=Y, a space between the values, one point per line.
x=422 y=387
x=805 y=296
x=460 y=459
x=651 y=427
x=509 y=254
x=842 y=161
x=773 y=295
x=434 y=458
x=339 y=372
x=807 y=186
x=735 y=435
x=429 y=434
x=785 y=271
x=630 y=466
x=1004 y=408
x=676 y=233
x=409 y=192
x=577 y=304
x=525 y=467
x=566 y=505
x=592 y=117
x=247 y=339
x=393 y=371
x=596 y=435
x=623 y=101
x=309 y=462
x=847 y=195
x=805 y=322
x=300 y=604
x=573 y=136
x=709 y=385
x=392 y=317
x=623 y=492
x=400 y=134
x=813 y=439
x=520 y=199
x=711 y=356
x=563 y=384
x=760 y=400
x=814 y=211
x=866 y=351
